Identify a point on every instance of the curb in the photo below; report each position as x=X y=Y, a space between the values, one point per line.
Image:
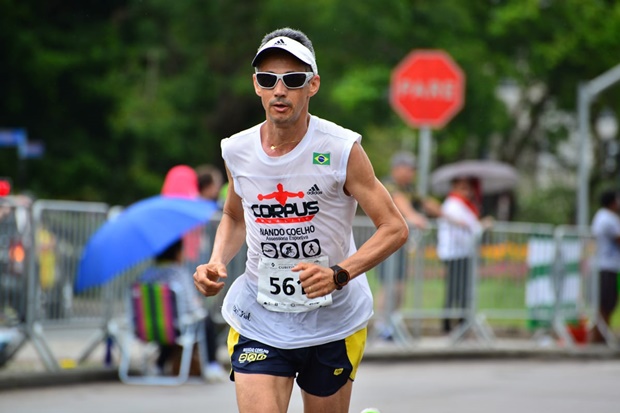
x=491 y=354
x=17 y=380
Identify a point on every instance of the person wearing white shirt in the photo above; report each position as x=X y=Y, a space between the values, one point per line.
x=457 y=231
x=606 y=229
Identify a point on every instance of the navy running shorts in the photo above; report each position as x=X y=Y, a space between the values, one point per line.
x=320 y=370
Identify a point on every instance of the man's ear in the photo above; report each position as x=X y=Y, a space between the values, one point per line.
x=257 y=89
x=315 y=84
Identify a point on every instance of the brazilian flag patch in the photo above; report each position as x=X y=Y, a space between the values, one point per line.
x=320 y=158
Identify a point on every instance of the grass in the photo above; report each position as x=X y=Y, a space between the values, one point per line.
x=501 y=299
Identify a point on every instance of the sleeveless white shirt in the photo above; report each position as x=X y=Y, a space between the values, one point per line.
x=295 y=210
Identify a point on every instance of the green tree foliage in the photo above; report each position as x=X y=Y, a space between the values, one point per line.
x=551 y=46
x=554 y=206
x=55 y=55
x=120 y=91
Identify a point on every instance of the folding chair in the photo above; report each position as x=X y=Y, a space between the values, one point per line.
x=156 y=317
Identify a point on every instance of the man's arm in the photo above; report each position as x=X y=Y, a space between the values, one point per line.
x=408 y=211
x=229 y=238
x=432 y=207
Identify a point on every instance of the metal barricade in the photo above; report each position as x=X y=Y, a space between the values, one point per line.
x=577 y=286
x=62 y=229
x=438 y=295
x=516 y=269
x=524 y=280
x=60 y=232
x=535 y=280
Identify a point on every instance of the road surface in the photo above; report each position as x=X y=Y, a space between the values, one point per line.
x=492 y=386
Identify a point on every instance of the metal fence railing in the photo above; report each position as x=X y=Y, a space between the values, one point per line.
x=525 y=279
x=522 y=279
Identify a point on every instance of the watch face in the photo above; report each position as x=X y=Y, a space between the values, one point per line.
x=342 y=277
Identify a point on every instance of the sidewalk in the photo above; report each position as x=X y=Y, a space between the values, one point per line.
x=26 y=368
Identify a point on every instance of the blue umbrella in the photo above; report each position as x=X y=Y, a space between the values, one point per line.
x=141 y=231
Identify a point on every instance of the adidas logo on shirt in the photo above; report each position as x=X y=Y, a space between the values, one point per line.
x=314 y=190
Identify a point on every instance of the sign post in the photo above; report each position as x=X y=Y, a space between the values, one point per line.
x=427 y=90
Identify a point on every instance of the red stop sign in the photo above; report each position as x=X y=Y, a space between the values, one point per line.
x=427 y=88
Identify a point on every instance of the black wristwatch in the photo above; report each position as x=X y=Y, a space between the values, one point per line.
x=341 y=276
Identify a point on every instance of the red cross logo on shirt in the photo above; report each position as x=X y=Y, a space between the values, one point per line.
x=281 y=195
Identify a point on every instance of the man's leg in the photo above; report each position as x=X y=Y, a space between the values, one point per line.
x=336 y=403
x=211 y=339
x=165 y=354
x=608 y=298
x=260 y=393
x=263 y=375
x=450 y=281
x=464 y=287
x=327 y=378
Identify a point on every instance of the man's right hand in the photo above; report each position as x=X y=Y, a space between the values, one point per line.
x=207 y=278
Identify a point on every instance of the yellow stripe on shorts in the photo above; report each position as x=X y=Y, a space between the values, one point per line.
x=231 y=342
x=355 y=344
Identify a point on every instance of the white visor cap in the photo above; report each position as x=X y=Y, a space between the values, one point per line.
x=293 y=47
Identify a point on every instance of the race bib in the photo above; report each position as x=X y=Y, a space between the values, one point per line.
x=279 y=288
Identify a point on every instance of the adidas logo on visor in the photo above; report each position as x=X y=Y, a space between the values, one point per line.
x=280 y=42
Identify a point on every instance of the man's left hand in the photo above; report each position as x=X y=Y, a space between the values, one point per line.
x=317 y=281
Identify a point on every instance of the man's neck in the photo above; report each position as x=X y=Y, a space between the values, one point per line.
x=281 y=134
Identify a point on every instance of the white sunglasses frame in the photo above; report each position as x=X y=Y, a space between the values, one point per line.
x=280 y=77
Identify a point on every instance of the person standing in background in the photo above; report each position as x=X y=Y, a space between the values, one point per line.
x=183 y=181
x=457 y=231
x=415 y=209
x=169 y=269
x=210 y=181
x=606 y=229
x=401 y=186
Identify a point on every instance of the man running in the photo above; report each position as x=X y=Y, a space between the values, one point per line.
x=295 y=181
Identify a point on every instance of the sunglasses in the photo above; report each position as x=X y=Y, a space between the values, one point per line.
x=294 y=80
